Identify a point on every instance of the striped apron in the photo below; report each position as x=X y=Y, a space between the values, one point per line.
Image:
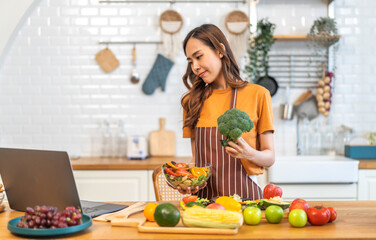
x=228 y=175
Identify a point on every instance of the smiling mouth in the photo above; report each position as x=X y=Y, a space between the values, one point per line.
x=202 y=74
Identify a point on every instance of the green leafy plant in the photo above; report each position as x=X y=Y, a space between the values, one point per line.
x=258 y=50
x=324 y=32
x=322 y=35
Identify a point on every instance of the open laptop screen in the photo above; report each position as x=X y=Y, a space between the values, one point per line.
x=38 y=177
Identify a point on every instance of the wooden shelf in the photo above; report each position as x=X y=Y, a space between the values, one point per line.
x=292 y=37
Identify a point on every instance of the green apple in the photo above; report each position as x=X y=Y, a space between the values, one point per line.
x=274 y=214
x=252 y=215
x=298 y=218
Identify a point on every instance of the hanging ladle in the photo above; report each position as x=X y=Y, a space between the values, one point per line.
x=135 y=77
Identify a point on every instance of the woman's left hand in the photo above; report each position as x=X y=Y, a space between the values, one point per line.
x=240 y=150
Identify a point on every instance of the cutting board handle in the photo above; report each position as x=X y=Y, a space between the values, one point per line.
x=162 y=122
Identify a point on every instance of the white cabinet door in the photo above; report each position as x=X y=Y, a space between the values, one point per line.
x=367 y=184
x=113 y=185
x=319 y=191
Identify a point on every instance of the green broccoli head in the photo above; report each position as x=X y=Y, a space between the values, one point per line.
x=232 y=124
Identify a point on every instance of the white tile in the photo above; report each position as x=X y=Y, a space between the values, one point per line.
x=108 y=11
x=80 y=21
x=89 y=11
x=99 y=21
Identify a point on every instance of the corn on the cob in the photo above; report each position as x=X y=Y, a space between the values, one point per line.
x=212 y=218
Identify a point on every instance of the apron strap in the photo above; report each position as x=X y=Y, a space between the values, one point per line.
x=233 y=98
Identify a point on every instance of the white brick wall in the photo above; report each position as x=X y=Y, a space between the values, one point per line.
x=53 y=95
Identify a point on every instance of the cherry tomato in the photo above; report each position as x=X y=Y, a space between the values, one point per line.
x=318 y=215
x=191 y=198
x=333 y=214
x=181 y=165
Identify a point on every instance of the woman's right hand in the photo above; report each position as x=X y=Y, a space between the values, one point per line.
x=189 y=190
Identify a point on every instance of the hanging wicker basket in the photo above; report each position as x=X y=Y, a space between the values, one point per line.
x=170 y=21
x=236 y=22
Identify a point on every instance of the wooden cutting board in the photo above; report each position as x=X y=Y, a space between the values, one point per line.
x=162 y=141
x=138 y=220
x=107 y=60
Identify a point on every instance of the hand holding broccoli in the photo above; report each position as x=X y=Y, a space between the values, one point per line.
x=232 y=124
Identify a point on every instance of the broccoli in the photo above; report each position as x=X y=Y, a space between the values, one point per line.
x=232 y=124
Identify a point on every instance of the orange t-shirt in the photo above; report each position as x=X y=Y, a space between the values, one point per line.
x=253 y=99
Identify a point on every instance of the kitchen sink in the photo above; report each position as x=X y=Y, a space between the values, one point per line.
x=313 y=169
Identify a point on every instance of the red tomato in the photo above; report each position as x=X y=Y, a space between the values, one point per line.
x=191 y=198
x=272 y=190
x=318 y=215
x=333 y=214
x=299 y=204
x=181 y=165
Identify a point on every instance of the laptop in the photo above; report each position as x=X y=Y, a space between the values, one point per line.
x=39 y=177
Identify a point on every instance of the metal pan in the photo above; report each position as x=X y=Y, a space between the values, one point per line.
x=269 y=83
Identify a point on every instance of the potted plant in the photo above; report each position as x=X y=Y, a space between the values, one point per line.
x=258 y=59
x=322 y=35
x=324 y=32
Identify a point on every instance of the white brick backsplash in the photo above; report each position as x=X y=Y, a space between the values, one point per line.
x=54 y=95
x=99 y=21
x=89 y=11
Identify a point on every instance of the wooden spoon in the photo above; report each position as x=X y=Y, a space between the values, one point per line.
x=303 y=97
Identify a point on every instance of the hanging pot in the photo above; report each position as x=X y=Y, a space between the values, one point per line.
x=269 y=83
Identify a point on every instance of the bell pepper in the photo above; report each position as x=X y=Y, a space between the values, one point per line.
x=172 y=165
x=170 y=172
x=196 y=171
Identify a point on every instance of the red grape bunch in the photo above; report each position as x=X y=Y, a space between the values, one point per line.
x=41 y=217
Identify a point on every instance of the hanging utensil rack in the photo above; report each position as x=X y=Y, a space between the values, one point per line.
x=304 y=69
x=173 y=1
x=129 y=42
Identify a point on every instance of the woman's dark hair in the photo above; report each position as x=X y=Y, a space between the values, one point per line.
x=198 y=91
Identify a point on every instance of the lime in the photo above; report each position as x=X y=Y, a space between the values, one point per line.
x=298 y=218
x=274 y=214
x=166 y=215
x=252 y=215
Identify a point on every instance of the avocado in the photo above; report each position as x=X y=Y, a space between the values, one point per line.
x=264 y=203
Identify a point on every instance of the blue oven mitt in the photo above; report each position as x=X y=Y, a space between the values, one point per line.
x=157 y=75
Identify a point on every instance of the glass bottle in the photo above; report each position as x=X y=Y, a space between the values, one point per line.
x=315 y=138
x=106 y=139
x=121 y=140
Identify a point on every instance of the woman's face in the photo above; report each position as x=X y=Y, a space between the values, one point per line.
x=205 y=62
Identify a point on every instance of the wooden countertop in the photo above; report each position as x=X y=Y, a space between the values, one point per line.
x=100 y=163
x=367 y=163
x=356 y=220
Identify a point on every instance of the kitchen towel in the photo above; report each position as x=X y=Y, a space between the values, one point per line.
x=157 y=75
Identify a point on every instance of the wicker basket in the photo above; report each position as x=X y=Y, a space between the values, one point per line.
x=236 y=22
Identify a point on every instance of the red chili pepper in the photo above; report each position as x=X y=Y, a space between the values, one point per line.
x=170 y=172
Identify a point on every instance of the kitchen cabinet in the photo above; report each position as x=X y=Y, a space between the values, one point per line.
x=115 y=185
x=367 y=184
x=327 y=191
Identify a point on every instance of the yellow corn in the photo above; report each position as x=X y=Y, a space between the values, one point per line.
x=212 y=218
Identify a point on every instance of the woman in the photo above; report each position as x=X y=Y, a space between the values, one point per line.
x=214 y=86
